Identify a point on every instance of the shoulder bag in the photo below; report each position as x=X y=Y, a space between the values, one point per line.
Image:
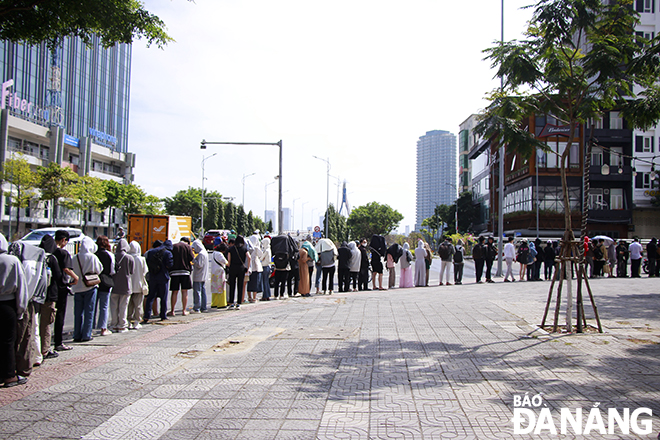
x=89 y=279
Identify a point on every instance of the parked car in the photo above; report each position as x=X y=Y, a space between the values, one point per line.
x=210 y=236
x=75 y=237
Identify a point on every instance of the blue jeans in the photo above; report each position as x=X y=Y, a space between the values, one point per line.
x=199 y=296
x=101 y=312
x=156 y=290
x=265 y=283
x=83 y=305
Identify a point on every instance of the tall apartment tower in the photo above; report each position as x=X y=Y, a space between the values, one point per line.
x=436 y=173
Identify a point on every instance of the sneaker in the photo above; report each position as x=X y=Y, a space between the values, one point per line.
x=193 y=311
x=440 y=284
x=137 y=326
x=238 y=307
x=185 y=313
x=122 y=330
x=63 y=348
x=51 y=355
x=105 y=332
x=231 y=307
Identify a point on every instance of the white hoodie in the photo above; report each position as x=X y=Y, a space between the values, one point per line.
x=13 y=283
x=90 y=264
x=138 y=279
x=356 y=258
x=201 y=263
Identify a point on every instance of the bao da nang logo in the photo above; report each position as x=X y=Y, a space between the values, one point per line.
x=532 y=416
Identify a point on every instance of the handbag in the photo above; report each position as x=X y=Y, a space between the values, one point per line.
x=89 y=279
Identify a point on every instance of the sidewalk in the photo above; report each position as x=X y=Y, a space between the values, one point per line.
x=422 y=363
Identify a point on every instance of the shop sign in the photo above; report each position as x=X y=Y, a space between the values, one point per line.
x=556 y=130
x=104 y=138
x=70 y=140
x=26 y=109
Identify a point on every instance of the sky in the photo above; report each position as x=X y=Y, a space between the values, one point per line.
x=353 y=82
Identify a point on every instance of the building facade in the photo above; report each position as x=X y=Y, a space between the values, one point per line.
x=436 y=173
x=467 y=139
x=69 y=106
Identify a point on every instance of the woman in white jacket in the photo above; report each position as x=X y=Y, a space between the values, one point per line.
x=256 y=269
x=199 y=276
x=84 y=262
x=139 y=286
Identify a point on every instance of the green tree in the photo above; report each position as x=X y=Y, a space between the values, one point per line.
x=86 y=194
x=337 y=228
x=186 y=202
x=54 y=182
x=152 y=205
x=432 y=228
x=114 y=21
x=17 y=172
x=269 y=227
x=230 y=216
x=550 y=73
x=250 y=223
x=241 y=221
x=372 y=218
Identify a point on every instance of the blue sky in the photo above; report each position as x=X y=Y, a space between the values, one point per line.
x=356 y=82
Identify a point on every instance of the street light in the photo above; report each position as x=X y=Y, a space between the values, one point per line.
x=243 y=180
x=204 y=159
x=279 y=144
x=327 y=200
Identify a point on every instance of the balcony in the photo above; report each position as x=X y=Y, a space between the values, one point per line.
x=618 y=137
x=595 y=174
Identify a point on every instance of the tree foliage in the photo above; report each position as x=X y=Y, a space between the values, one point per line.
x=337 y=228
x=550 y=73
x=16 y=171
x=114 y=21
x=372 y=218
x=54 y=182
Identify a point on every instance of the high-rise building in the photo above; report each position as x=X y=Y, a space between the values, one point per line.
x=69 y=106
x=436 y=173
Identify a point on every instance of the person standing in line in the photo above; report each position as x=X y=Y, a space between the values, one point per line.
x=363 y=280
x=304 y=286
x=123 y=287
x=420 y=265
x=180 y=273
x=159 y=262
x=652 y=255
x=611 y=259
x=378 y=250
x=311 y=261
x=539 y=259
x=354 y=268
x=343 y=267
x=523 y=258
x=266 y=259
x=102 y=310
x=14 y=297
x=199 y=276
x=459 y=256
x=68 y=279
x=85 y=262
x=549 y=260
x=622 y=259
x=509 y=256
x=138 y=286
x=218 y=262
x=429 y=260
x=636 y=254
x=293 y=278
x=491 y=254
x=531 y=261
x=406 y=276
x=479 y=255
x=394 y=253
x=48 y=308
x=588 y=257
x=327 y=252
x=256 y=270
x=238 y=263
x=446 y=251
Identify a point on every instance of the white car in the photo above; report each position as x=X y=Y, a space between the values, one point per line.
x=75 y=237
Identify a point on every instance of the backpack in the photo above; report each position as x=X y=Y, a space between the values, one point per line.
x=155 y=262
x=444 y=251
x=458 y=255
x=281 y=260
x=35 y=265
x=598 y=254
x=408 y=256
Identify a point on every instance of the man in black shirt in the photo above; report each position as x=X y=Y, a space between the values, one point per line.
x=69 y=278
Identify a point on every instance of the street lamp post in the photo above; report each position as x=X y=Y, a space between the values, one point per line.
x=279 y=144
x=327 y=200
x=243 y=180
x=204 y=159
x=500 y=194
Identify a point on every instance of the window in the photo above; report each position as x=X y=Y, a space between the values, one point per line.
x=597 y=123
x=645 y=6
x=596 y=199
x=644 y=144
x=74 y=159
x=541 y=158
x=596 y=156
x=616 y=121
x=616 y=198
x=616 y=156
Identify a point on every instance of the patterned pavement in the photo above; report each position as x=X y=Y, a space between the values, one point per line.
x=423 y=363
